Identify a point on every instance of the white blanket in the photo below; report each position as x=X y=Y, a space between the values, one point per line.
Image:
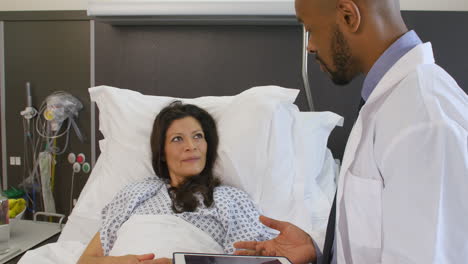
x=67 y=252
x=161 y=235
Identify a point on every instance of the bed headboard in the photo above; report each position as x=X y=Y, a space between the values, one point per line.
x=199 y=60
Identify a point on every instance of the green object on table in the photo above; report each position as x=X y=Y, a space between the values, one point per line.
x=14 y=193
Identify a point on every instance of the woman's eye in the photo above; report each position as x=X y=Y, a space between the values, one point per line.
x=198 y=136
x=176 y=139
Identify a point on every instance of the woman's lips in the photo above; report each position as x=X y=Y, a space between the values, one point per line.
x=191 y=159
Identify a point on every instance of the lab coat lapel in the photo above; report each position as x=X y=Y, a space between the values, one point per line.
x=341 y=231
x=419 y=55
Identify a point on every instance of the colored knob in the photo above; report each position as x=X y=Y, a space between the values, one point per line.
x=71 y=158
x=76 y=167
x=80 y=158
x=86 y=167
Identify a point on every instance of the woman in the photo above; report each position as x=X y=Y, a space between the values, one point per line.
x=184 y=145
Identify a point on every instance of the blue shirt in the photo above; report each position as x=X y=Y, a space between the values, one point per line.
x=386 y=61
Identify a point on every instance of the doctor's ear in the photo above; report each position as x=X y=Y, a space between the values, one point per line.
x=349 y=15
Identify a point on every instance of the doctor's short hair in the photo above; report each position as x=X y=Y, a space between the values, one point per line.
x=183 y=197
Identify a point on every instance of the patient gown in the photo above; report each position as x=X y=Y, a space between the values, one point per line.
x=232 y=217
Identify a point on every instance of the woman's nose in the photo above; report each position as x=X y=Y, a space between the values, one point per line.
x=190 y=145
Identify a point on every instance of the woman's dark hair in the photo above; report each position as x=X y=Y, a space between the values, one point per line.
x=183 y=197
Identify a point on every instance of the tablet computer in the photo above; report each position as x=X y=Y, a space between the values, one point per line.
x=200 y=258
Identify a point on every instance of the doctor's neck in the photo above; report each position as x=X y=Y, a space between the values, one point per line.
x=380 y=25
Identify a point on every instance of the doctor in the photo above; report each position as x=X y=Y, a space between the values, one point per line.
x=403 y=187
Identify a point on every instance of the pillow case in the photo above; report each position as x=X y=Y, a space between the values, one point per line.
x=317 y=171
x=126 y=118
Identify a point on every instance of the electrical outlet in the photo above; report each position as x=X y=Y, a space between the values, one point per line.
x=18 y=161
x=12 y=161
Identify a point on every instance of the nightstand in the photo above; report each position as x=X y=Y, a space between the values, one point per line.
x=26 y=234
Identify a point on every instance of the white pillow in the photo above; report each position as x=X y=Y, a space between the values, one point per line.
x=317 y=171
x=126 y=118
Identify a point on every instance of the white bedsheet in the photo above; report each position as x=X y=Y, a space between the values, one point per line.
x=161 y=235
x=67 y=252
x=141 y=234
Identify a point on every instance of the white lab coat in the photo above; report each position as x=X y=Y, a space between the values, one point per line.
x=403 y=188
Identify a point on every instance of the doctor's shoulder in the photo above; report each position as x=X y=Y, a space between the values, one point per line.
x=428 y=98
x=444 y=99
x=427 y=94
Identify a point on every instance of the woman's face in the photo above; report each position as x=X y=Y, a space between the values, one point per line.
x=184 y=149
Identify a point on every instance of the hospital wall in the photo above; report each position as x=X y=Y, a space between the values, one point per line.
x=53 y=50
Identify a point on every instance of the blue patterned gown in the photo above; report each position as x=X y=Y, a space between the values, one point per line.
x=232 y=217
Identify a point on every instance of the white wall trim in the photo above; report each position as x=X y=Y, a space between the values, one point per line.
x=191 y=7
x=235 y=7
x=434 y=5
x=3 y=108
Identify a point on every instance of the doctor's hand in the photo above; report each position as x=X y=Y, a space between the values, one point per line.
x=292 y=242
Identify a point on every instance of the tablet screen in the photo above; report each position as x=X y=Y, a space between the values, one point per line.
x=229 y=259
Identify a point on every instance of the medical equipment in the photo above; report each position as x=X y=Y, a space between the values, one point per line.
x=29 y=141
x=56 y=109
x=29 y=112
x=55 y=118
x=78 y=163
x=76 y=169
x=45 y=167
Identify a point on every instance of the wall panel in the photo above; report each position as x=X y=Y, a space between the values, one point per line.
x=215 y=60
x=52 y=56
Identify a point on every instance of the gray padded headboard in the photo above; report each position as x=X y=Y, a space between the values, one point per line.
x=192 y=61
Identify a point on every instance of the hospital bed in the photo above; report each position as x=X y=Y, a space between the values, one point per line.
x=268 y=148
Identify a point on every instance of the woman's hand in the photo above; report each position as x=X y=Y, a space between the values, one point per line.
x=292 y=242
x=158 y=261
x=94 y=254
x=127 y=259
x=132 y=259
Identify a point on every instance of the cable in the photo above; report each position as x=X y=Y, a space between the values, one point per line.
x=52 y=181
x=71 y=191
